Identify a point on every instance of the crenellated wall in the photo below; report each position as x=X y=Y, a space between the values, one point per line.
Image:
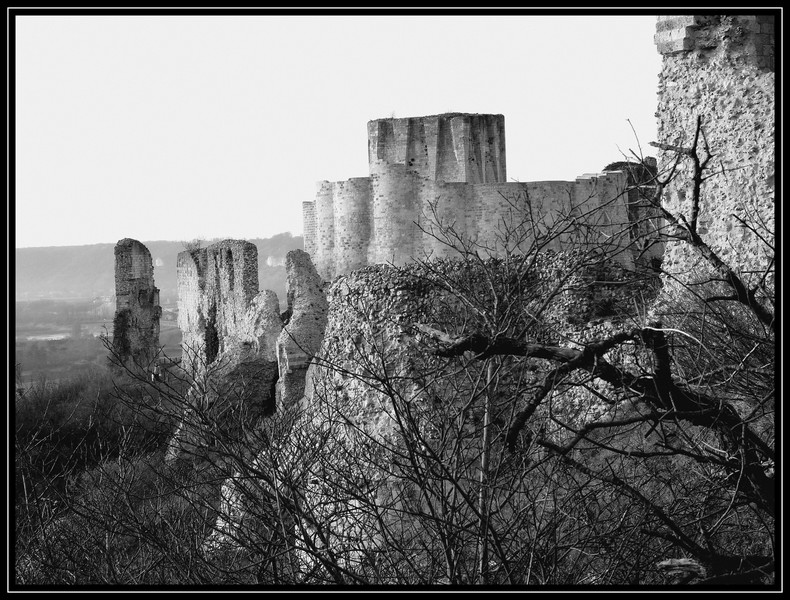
x=447 y=173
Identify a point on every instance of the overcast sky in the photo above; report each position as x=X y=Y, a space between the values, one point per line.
x=183 y=127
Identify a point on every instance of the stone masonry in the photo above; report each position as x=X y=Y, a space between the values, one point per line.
x=301 y=337
x=137 y=310
x=230 y=334
x=428 y=174
x=216 y=286
x=721 y=69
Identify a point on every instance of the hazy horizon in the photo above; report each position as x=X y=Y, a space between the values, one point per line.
x=209 y=240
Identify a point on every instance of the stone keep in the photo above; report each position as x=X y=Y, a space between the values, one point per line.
x=137 y=310
x=720 y=68
x=427 y=174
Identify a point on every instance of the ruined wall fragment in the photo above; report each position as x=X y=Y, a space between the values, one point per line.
x=191 y=279
x=645 y=221
x=231 y=284
x=301 y=337
x=238 y=387
x=216 y=286
x=137 y=310
x=720 y=68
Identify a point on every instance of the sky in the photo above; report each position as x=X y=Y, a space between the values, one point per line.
x=183 y=127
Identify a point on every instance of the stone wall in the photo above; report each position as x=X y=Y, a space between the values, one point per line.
x=429 y=175
x=371 y=312
x=137 y=310
x=720 y=68
x=644 y=217
x=308 y=218
x=378 y=387
x=405 y=217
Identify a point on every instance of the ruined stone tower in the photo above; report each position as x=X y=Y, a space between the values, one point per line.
x=216 y=286
x=137 y=310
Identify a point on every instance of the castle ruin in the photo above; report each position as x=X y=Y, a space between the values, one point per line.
x=429 y=174
x=452 y=168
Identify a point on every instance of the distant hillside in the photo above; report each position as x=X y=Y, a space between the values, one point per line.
x=89 y=271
